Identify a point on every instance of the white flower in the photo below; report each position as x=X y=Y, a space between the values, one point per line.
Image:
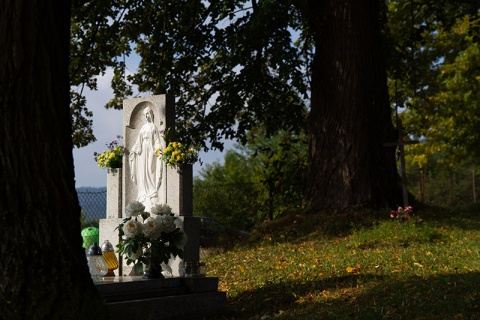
x=159 y=220
x=167 y=222
x=178 y=223
x=132 y=228
x=151 y=228
x=134 y=209
x=161 y=209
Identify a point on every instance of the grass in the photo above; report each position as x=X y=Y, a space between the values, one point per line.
x=301 y=267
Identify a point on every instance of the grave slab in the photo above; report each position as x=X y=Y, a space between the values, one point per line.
x=171 y=298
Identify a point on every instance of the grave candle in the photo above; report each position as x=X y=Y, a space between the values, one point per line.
x=96 y=263
x=110 y=258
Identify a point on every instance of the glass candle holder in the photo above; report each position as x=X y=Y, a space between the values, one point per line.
x=96 y=263
x=110 y=258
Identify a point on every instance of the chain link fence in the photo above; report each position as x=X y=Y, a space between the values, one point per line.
x=93 y=205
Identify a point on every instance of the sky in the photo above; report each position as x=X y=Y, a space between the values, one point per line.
x=107 y=125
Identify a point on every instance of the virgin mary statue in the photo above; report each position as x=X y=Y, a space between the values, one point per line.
x=146 y=169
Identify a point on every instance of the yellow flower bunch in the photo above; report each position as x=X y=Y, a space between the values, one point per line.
x=176 y=153
x=112 y=158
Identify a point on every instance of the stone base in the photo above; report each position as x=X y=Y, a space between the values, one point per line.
x=171 y=298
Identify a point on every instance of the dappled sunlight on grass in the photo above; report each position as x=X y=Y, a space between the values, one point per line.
x=385 y=270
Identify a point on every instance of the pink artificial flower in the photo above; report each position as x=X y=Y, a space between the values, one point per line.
x=408 y=209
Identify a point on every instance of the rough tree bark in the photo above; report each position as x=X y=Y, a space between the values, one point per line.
x=350 y=115
x=43 y=267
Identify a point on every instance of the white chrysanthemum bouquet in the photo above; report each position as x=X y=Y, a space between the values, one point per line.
x=150 y=238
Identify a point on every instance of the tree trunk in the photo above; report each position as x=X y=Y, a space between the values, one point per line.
x=43 y=266
x=350 y=117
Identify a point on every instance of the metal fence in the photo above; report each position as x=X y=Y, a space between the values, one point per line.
x=93 y=205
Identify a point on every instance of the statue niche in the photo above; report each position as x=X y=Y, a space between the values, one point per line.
x=146 y=169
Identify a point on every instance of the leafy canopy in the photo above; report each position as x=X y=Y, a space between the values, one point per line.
x=231 y=65
x=433 y=73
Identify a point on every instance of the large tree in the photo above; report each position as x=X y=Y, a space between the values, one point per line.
x=237 y=64
x=350 y=115
x=43 y=267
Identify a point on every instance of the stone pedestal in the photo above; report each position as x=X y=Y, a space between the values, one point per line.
x=114 y=193
x=114 y=212
x=191 y=226
x=179 y=194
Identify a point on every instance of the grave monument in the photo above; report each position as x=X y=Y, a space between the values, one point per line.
x=145 y=178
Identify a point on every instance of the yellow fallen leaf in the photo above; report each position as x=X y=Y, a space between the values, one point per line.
x=279 y=314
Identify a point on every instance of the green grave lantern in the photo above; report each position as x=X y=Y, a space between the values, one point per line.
x=90 y=236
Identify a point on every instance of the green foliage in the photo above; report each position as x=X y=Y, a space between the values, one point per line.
x=449 y=187
x=281 y=162
x=227 y=192
x=385 y=270
x=444 y=185
x=231 y=65
x=96 y=44
x=261 y=180
x=433 y=72
x=252 y=60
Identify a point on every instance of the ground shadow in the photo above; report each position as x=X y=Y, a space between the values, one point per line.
x=383 y=297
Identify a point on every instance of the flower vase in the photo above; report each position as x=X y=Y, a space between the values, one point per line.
x=153 y=268
x=153 y=271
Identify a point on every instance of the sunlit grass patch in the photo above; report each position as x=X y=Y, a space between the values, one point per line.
x=385 y=270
